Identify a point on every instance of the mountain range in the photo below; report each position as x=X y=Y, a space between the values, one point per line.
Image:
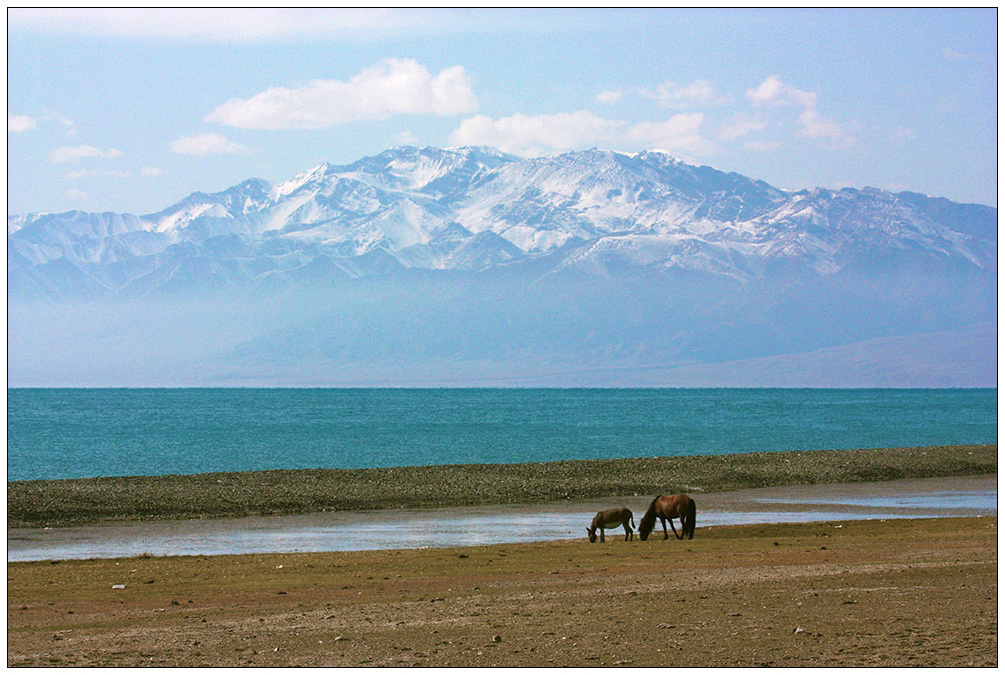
x=467 y=266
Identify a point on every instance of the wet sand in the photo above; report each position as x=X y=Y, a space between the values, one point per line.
x=481 y=525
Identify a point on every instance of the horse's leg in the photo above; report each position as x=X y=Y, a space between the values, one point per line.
x=672 y=528
x=664 y=523
x=601 y=534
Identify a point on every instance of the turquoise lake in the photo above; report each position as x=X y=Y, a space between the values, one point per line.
x=74 y=433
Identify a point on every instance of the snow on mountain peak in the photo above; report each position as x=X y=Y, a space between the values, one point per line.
x=313 y=175
x=433 y=208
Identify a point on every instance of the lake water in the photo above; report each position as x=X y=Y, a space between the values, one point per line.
x=75 y=433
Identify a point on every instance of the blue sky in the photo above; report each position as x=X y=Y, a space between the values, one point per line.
x=132 y=110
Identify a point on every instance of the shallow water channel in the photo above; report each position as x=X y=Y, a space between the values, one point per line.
x=468 y=526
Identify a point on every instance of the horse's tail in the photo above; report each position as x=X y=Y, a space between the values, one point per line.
x=648 y=520
x=689 y=519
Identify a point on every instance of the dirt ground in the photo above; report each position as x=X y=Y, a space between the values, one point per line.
x=856 y=593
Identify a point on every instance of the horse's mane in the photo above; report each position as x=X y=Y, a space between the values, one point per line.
x=649 y=519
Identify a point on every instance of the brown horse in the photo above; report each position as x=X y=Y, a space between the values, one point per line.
x=668 y=508
x=611 y=518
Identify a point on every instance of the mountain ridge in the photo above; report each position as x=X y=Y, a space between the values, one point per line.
x=425 y=206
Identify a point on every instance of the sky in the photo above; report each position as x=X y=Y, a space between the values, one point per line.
x=132 y=110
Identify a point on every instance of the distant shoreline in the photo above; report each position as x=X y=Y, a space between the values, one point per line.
x=54 y=503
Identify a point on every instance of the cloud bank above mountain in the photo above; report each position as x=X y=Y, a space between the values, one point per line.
x=393 y=87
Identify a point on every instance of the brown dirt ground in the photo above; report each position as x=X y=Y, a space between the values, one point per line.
x=862 y=593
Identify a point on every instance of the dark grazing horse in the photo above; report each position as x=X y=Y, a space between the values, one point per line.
x=667 y=508
x=611 y=519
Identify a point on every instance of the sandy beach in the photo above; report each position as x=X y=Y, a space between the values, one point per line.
x=895 y=593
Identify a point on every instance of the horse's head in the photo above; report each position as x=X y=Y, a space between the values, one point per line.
x=648 y=521
x=592 y=534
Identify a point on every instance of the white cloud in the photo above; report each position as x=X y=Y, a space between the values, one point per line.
x=205 y=144
x=534 y=135
x=815 y=126
x=672 y=95
x=775 y=92
x=406 y=138
x=151 y=171
x=392 y=87
x=768 y=91
x=75 y=195
x=62 y=120
x=19 y=123
x=761 y=146
x=610 y=96
x=772 y=91
x=530 y=136
x=740 y=126
x=679 y=133
x=67 y=153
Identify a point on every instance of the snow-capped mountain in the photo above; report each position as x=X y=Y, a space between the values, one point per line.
x=466 y=266
x=473 y=209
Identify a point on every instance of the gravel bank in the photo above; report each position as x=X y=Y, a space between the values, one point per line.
x=220 y=495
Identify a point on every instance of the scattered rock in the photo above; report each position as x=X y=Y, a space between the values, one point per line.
x=118 y=586
x=497 y=638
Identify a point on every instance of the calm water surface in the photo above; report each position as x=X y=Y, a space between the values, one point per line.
x=73 y=433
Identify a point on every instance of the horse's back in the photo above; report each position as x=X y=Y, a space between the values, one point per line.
x=674 y=505
x=614 y=515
